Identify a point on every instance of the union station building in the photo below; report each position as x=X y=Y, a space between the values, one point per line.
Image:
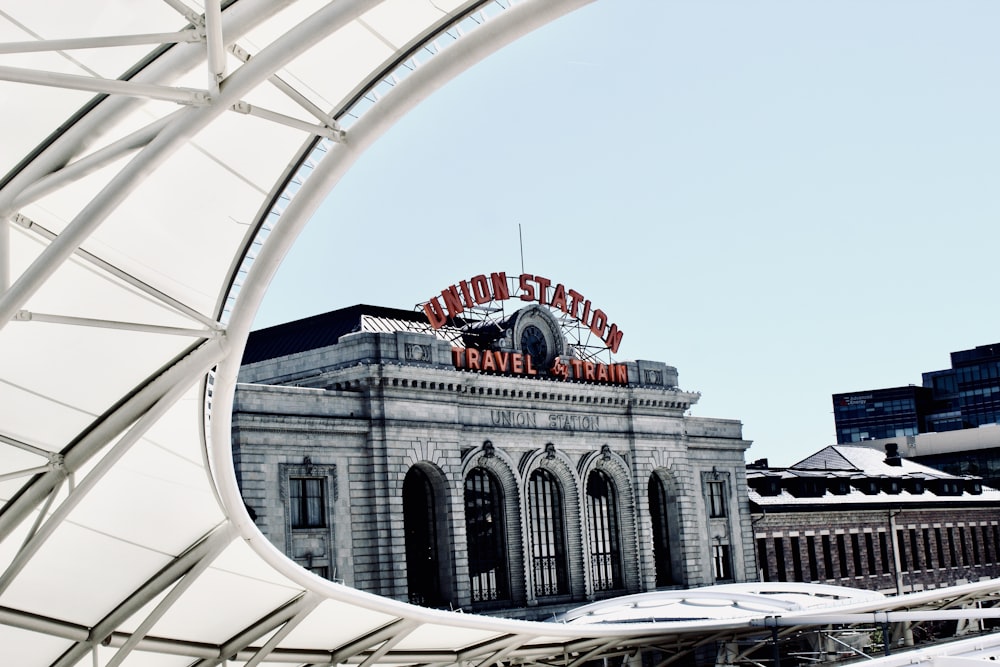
x=484 y=452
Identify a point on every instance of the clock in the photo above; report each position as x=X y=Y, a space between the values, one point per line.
x=534 y=345
x=536 y=334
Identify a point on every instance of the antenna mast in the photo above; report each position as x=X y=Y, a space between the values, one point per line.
x=520 y=240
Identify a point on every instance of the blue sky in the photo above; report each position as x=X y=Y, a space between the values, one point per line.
x=784 y=200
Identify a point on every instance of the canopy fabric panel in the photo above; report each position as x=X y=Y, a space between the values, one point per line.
x=159 y=158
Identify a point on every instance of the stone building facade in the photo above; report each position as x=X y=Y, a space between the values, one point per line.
x=853 y=516
x=371 y=453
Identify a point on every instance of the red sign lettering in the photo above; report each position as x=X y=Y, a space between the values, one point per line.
x=455 y=299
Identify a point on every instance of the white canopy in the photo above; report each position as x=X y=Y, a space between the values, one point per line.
x=159 y=158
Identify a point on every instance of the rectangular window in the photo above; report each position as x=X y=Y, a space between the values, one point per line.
x=827 y=558
x=951 y=547
x=914 y=549
x=720 y=562
x=793 y=543
x=716 y=499
x=940 y=548
x=883 y=545
x=765 y=570
x=974 y=538
x=870 y=551
x=856 y=553
x=901 y=545
x=306 y=500
x=811 y=553
x=964 y=545
x=779 y=559
x=842 y=554
x=928 y=560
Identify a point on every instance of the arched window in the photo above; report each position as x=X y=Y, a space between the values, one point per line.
x=484 y=529
x=605 y=545
x=661 y=532
x=420 y=528
x=548 y=538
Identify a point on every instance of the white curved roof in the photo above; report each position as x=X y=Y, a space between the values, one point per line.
x=159 y=158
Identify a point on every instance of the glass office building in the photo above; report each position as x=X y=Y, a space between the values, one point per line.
x=880 y=413
x=967 y=395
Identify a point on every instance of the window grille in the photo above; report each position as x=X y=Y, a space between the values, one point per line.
x=605 y=550
x=548 y=541
x=484 y=528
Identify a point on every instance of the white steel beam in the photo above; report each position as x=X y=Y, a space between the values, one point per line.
x=293 y=94
x=44 y=453
x=4 y=253
x=239 y=645
x=170 y=383
x=214 y=45
x=27 y=472
x=184 y=570
x=100 y=42
x=403 y=630
x=312 y=602
x=240 y=18
x=98 y=85
x=141 y=425
x=292 y=43
x=288 y=121
x=28 y=316
x=90 y=163
x=155 y=294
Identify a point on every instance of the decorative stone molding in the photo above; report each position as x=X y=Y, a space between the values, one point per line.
x=417 y=352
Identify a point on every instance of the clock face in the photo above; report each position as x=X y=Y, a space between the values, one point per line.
x=533 y=344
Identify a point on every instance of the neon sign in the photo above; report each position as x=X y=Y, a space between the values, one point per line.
x=481 y=289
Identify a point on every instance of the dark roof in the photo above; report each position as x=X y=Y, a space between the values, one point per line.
x=318 y=331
